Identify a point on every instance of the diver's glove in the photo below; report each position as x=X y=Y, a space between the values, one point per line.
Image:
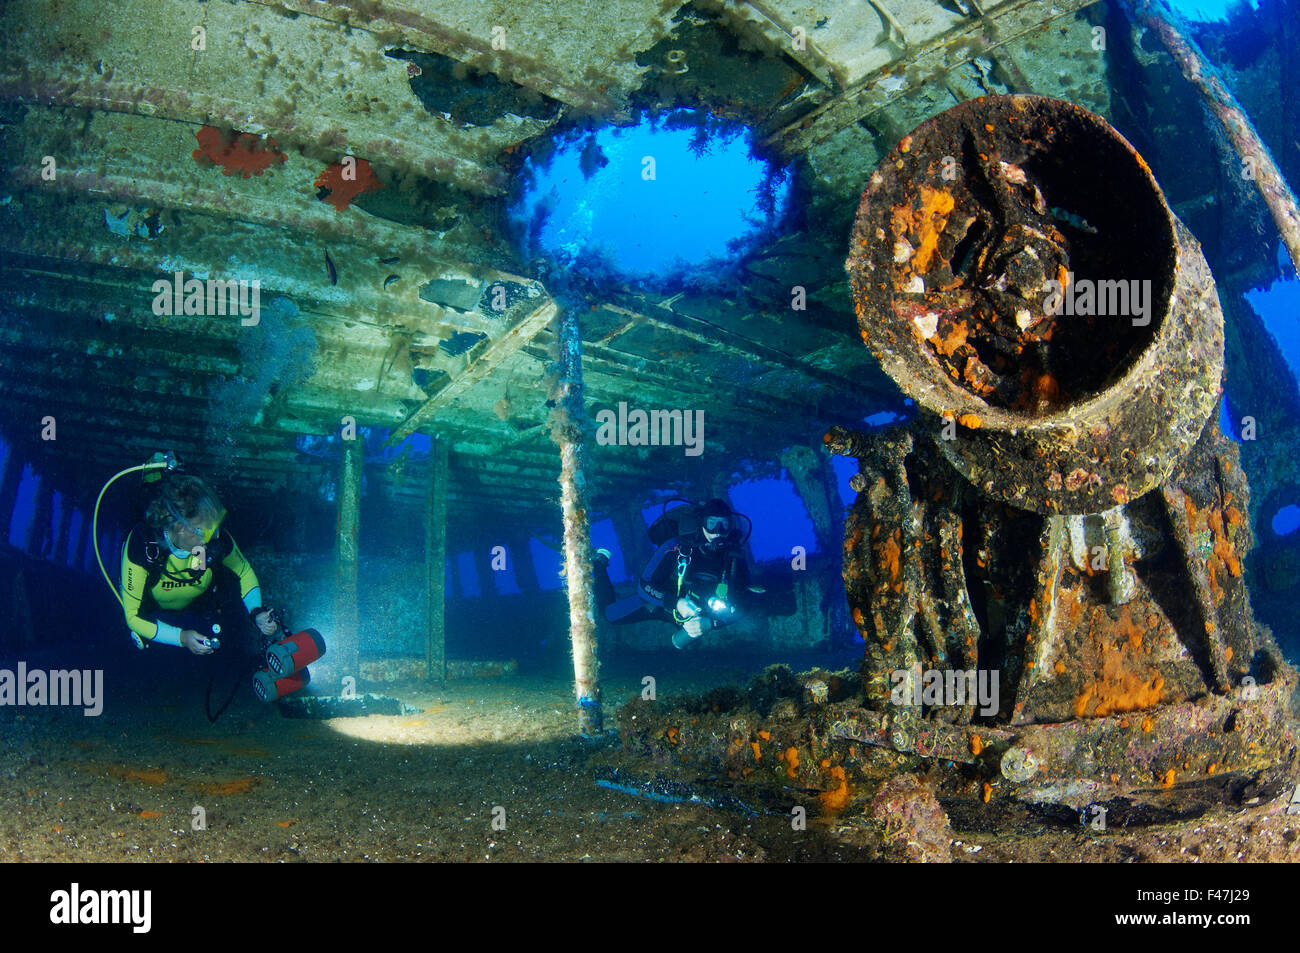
x=265 y=620
x=691 y=630
x=687 y=609
x=697 y=626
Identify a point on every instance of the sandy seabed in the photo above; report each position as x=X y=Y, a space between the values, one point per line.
x=429 y=787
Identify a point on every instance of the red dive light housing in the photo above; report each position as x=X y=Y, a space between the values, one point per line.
x=286 y=665
x=294 y=652
x=268 y=688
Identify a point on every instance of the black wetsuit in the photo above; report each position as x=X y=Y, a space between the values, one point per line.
x=218 y=596
x=658 y=589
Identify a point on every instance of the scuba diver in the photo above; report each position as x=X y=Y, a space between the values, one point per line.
x=181 y=575
x=693 y=578
x=185 y=582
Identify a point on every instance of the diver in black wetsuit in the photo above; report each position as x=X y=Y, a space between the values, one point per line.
x=694 y=579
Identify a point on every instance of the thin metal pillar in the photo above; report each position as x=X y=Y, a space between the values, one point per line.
x=435 y=555
x=568 y=421
x=345 y=558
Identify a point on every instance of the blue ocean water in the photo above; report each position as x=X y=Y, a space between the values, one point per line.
x=649 y=201
x=1207 y=10
x=1279 y=307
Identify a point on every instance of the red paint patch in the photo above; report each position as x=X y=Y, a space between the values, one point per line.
x=342 y=191
x=238 y=153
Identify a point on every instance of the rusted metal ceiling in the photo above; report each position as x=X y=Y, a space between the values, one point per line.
x=114 y=92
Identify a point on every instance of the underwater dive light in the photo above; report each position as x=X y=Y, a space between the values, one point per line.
x=295 y=652
x=269 y=688
x=718 y=601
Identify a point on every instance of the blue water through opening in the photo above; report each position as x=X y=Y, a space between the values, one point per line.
x=1278 y=306
x=649 y=202
x=1207 y=10
x=1286 y=520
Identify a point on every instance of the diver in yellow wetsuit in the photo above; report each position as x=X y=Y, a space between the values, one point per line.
x=185 y=582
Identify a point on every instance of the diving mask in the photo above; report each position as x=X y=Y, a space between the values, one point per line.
x=203 y=528
x=716 y=528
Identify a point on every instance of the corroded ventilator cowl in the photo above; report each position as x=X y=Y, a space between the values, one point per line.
x=1089 y=651
x=1016 y=270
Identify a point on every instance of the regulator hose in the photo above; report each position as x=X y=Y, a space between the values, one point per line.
x=169 y=462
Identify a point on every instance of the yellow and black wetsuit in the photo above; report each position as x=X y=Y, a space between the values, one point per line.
x=157 y=583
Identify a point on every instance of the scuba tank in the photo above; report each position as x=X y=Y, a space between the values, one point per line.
x=678 y=521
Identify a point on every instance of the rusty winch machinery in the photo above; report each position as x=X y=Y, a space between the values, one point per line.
x=1064 y=521
x=1047 y=563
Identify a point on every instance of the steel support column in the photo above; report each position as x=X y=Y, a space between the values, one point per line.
x=345 y=558
x=568 y=420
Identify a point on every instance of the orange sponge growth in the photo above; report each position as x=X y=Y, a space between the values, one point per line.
x=238 y=153
x=343 y=181
x=835 y=800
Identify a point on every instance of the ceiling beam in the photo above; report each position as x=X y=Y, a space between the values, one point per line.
x=496 y=350
x=971 y=39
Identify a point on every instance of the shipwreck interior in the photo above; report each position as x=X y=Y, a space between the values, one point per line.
x=406 y=432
